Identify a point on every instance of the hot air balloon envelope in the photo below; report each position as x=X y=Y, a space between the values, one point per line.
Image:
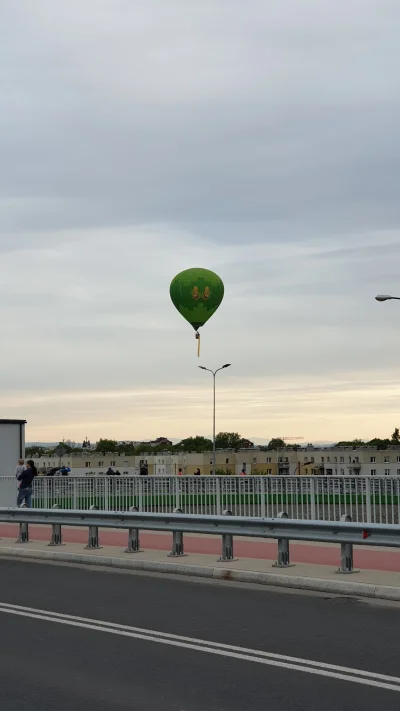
x=197 y=294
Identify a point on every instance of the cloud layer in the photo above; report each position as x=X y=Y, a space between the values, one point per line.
x=138 y=139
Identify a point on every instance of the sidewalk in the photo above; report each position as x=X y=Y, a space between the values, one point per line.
x=365 y=558
x=303 y=576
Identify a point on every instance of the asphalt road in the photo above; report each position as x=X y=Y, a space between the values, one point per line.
x=93 y=657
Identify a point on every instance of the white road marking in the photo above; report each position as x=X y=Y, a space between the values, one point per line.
x=307 y=666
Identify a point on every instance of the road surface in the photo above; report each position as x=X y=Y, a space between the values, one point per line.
x=89 y=640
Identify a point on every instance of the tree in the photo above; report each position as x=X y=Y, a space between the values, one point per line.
x=106 y=445
x=276 y=443
x=379 y=443
x=194 y=444
x=228 y=440
x=144 y=449
x=353 y=443
x=396 y=436
x=36 y=450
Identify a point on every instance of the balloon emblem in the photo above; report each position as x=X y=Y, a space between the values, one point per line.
x=197 y=294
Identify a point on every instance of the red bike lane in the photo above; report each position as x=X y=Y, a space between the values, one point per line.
x=366 y=558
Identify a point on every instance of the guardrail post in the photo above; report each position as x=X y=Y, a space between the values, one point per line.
x=283 y=549
x=177 y=541
x=133 y=536
x=93 y=541
x=346 y=551
x=227 y=543
x=56 y=535
x=23 y=530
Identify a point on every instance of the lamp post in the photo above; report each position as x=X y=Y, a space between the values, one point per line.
x=386 y=297
x=214 y=374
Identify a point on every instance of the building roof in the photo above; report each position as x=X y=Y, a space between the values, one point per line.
x=12 y=422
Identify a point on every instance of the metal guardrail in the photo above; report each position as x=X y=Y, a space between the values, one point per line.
x=282 y=529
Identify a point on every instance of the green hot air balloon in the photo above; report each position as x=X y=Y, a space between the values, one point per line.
x=197 y=294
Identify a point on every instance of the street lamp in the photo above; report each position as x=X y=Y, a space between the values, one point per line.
x=214 y=373
x=386 y=297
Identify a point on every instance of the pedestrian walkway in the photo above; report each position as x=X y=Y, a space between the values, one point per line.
x=365 y=558
x=304 y=576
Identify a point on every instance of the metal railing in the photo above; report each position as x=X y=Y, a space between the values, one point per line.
x=346 y=533
x=327 y=498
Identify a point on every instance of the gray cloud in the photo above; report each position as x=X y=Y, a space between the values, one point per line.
x=138 y=139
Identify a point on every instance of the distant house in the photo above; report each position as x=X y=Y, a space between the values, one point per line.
x=161 y=442
x=246 y=444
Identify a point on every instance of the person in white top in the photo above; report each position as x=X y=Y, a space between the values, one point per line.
x=20 y=468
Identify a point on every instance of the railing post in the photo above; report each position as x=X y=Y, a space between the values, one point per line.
x=262 y=494
x=227 y=543
x=23 y=530
x=177 y=541
x=312 y=500
x=368 y=500
x=217 y=481
x=93 y=541
x=283 y=549
x=56 y=535
x=133 y=536
x=346 y=552
x=176 y=485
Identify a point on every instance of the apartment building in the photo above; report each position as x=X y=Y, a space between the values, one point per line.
x=305 y=461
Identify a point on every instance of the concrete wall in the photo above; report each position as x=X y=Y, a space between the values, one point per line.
x=12 y=447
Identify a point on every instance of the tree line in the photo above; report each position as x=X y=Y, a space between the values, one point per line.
x=223 y=440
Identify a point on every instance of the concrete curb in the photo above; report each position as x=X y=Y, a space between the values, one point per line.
x=338 y=587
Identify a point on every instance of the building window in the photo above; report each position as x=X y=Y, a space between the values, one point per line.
x=101 y=464
x=342 y=460
x=269 y=460
x=398 y=472
x=356 y=460
x=335 y=460
x=227 y=461
x=373 y=472
x=342 y=472
x=373 y=460
x=87 y=465
x=386 y=459
x=387 y=472
x=322 y=459
x=398 y=459
x=312 y=460
x=113 y=464
x=269 y=471
x=328 y=459
x=306 y=471
x=336 y=472
x=280 y=459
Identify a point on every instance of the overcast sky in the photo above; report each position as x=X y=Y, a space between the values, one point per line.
x=258 y=139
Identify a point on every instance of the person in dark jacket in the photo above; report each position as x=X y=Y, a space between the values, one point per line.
x=25 y=488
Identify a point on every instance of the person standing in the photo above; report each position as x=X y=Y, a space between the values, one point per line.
x=25 y=488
